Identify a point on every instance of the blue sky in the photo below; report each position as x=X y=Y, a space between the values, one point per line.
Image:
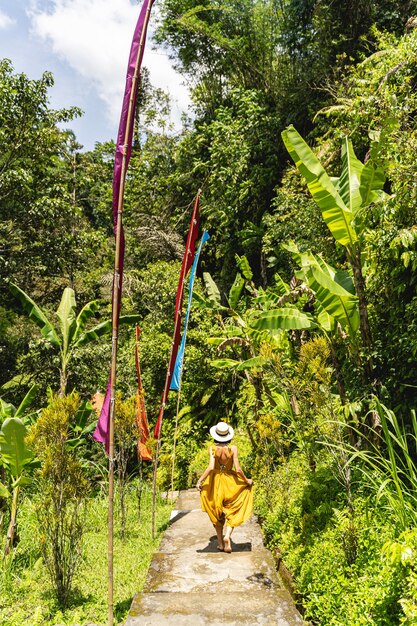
x=85 y=44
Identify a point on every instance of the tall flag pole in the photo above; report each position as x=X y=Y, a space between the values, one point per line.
x=187 y=262
x=178 y=368
x=105 y=427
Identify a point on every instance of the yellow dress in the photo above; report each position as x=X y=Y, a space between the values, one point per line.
x=225 y=496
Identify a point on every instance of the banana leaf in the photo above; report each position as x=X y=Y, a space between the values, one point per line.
x=288 y=318
x=212 y=291
x=236 y=290
x=224 y=363
x=6 y=409
x=350 y=178
x=13 y=449
x=326 y=321
x=84 y=315
x=336 y=214
x=27 y=401
x=66 y=316
x=256 y=361
x=37 y=316
x=372 y=182
x=334 y=291
x=280 y=285
x=245 y=268
x=105 y=328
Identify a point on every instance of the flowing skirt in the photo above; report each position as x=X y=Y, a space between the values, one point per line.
x=226 y=498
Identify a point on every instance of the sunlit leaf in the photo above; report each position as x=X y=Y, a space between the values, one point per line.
x=212 y=290
x=27 y=401
x=224 y=363
x=284 y=319
x=105 y=328
x=13 y=449
x=256 y=361
x=66 y=316
x=84 y=315
x=36 y=315
x=245 y=268
x=336 y=214
x=236 y=290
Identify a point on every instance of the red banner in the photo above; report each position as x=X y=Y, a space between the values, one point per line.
x=187 y=262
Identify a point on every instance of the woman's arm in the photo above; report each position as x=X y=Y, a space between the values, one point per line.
x=238 y=469
x=207 y=471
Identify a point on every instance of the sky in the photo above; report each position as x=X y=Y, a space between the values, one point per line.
x=85 y=44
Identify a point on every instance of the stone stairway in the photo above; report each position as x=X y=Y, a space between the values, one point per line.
x=191 y=583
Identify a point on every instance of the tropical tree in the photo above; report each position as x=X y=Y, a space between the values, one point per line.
x=42 y=231
x=71 y=332
x=342 y=202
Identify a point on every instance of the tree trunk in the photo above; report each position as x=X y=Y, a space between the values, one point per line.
x=63 y=382
x=355 y=260
x=360 y=292
x=338 y=373
x=12 y=526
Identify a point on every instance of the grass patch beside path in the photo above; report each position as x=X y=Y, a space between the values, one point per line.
x=25 y=592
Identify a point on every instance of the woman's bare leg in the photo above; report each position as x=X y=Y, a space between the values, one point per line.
x=219 y=533
x=226 y=539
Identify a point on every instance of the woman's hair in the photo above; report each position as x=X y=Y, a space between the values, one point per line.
x=217 y=441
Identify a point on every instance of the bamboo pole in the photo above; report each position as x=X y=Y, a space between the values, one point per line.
x=175 y=442
x=115 y=316
x=155 y=469
x=168 y=377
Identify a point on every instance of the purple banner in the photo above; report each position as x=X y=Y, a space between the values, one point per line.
x=121 y=162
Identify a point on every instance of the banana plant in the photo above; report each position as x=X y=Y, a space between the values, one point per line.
x=15 y=458
x=245 y=333
x=9 y=410
x=342 y=202
x=18 y=461
x=70 y=333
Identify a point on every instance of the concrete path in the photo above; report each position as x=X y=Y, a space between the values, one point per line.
x=191 y=583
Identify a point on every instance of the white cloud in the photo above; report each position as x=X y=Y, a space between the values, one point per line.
x=94 y=37
x=5 y=20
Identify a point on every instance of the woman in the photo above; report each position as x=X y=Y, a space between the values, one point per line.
x=226 y=495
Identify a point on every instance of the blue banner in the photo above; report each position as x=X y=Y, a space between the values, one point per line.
x=176 y=377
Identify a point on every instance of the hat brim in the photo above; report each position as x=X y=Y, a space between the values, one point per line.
x=221 y=438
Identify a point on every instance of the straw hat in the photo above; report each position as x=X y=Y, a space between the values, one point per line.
x=222 y=432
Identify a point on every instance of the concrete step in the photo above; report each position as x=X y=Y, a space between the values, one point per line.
x=192 y=531
x=223 y=608
x=239 y=571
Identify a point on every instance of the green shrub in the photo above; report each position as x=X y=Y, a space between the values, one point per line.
x=63 y=493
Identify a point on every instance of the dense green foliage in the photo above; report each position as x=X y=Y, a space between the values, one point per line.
x=303 y=327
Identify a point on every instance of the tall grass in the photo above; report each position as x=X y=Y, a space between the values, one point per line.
x=389 y=465
x=26 y=598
